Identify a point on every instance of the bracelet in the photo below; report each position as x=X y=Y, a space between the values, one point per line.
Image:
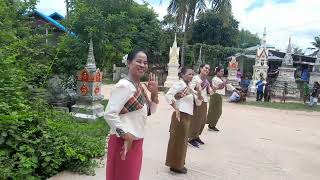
x=120 y=132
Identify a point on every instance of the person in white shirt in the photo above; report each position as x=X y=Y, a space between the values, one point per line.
x=126 y=114
x=199 y=119
x=215 y=104
x=180 y=120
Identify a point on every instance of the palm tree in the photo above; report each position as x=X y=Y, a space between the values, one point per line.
x=186 y=11
x=316 y=42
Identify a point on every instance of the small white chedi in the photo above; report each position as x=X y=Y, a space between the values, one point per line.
x=286 y=75
x=173 y=64
x=260 y=68
x=88 y=105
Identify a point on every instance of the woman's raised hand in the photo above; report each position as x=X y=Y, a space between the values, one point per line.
x=153 y=84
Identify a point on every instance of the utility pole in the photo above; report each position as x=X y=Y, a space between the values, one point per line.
x=67 y=12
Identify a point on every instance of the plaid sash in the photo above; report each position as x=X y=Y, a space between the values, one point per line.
x=205 y=85
x=137 y=101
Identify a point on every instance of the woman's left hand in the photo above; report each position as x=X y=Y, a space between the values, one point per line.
x=153 y=84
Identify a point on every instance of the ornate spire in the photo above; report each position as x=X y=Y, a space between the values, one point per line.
x=288 y=60
x=289 y=49
x=91 y=64
x=175 y=41
x=174 y=52
x=264 y=38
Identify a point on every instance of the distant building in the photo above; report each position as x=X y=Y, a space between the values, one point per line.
x=50 y=25
x=247 y=60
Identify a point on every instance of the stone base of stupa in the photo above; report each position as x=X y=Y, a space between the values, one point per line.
x=286 y=75
x=314 y=77
x=232 y=78
x=172 y=77
x=88 y=111
x=234 y=82
x=293 y=91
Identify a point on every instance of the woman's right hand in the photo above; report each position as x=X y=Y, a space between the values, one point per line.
x=221 y=86
x=128 y=139
x=178 y=96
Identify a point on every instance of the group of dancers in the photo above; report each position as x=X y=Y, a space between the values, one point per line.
x=131 y=102
x=190 y=97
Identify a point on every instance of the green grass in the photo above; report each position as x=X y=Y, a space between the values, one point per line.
x=284 y=106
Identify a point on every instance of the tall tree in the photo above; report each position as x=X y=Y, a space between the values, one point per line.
x=297 y=50
x=247 y=39
x=185 y=12
x=209 y=29
x=316 y=42
x=116 y=26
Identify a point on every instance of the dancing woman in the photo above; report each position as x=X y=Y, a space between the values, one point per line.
x=126 y=114
x=199 y=119
x=180 y=121
x=215 y=104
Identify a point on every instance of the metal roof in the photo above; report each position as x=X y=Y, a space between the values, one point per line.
x=54 y=23
x=57 y=15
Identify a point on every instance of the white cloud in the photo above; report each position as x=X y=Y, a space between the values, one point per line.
x=300 y=19
x=159 y=8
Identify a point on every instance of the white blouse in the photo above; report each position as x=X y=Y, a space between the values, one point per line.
x=184 y=104
x=132 y=122
x=216 y=81
x=195 y=81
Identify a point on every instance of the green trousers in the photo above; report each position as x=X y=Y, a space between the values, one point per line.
x=198 y=121
x=215 y=110
x=178 y=141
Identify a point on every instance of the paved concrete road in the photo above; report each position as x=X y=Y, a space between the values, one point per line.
x=253 y=144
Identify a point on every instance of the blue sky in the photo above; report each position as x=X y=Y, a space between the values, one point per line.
x=261 y=3
x=282 y=18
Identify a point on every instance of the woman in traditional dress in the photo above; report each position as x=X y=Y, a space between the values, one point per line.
x=126 y=114
x=215 y=104
x=199 y=119
x=180 y=120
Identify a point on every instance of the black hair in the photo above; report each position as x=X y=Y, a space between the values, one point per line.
x=217 y=69
x=134 y=53
x=183 y=71
x=201 y=66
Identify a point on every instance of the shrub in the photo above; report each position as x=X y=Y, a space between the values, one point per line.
x=39 y=144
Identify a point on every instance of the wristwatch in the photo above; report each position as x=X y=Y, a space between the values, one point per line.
x=120 y=132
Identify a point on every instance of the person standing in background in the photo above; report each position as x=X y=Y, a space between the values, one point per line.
x=239 y=75
x=267 y=92
x=314 y=94
x=260 y=84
